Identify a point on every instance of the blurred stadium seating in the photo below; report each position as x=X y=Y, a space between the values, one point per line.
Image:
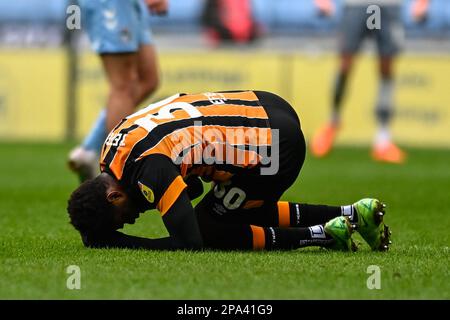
x=32 y=11
x=296 y=59
x=276 y=16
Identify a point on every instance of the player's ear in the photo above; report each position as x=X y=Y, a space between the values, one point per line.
x=115 y=197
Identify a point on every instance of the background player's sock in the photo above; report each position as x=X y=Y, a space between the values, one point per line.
x=383 y=110
x=97 y=135
x=83 y=160
x=383 y=136
x=339 y=90
x=293 y=238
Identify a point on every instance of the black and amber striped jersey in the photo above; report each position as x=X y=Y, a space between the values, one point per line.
x=210 y=135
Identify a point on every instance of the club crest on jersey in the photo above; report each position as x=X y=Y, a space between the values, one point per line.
x=147 y=192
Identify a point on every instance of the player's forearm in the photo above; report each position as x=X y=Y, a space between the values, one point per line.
x=184 y=231
x=181 y=223
x=123 y=241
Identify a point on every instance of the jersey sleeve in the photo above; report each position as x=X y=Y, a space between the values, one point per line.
x=159 y=182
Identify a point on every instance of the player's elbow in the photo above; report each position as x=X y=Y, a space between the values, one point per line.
x=195 y=187
x=88 y=242
x=196 y=244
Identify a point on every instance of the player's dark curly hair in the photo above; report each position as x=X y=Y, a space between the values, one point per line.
x=89 y=210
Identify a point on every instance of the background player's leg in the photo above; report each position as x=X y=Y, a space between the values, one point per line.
x=346 y=64
x=97 y=135
x=388 y=47
x=148 y=82
x=120 y=60
x=323 y=141
x=383 y=108
x=147 y=72
x=353 y=30
x=84 y=159
x=132 y=78
x=124 y=92
x=123 y=78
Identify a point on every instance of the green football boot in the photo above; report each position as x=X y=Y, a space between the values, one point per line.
x=340 y=229
x=370 y=223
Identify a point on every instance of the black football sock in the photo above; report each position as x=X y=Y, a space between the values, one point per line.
x=293 y=238
x=305 y=215
x=384 y=107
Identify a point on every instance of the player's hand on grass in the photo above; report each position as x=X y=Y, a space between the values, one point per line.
x=419 y=10
x=158 y=7
x=326 y=7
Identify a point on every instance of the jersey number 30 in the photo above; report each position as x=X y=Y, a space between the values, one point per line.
x=231 y=199
x=165 y=113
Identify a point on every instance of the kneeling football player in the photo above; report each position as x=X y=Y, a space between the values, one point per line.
x=249 y=145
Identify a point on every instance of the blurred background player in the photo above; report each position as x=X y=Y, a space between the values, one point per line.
x=230 y=21
x=119 y=32
x=353 y=31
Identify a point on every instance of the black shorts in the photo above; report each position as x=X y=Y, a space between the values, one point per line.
x=246 y=194
x=354 y=30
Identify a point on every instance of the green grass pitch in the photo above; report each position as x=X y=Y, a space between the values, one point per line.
x=37 y=243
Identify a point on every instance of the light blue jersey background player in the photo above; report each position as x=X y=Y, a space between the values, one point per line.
x=120 y=34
